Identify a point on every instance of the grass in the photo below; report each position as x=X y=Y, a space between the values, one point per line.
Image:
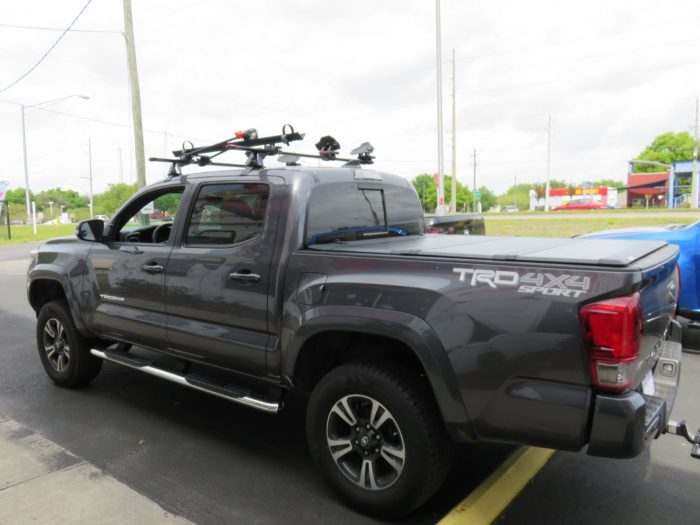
x=22 y=234
x=561 y=226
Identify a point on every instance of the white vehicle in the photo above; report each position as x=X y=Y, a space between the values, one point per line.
x=103 y=218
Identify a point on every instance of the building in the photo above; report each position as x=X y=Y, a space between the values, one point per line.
x=647 y=190
x=558 y=196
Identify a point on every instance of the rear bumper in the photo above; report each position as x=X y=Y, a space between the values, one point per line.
x=624 y=424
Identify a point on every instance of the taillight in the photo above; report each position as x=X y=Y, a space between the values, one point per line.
x=613 y=331
x=432 y=230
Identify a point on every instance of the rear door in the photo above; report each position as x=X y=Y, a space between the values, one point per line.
x=217 y=278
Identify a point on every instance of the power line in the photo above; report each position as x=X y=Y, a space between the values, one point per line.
x=107 y=122
x=41 y=28
x=48 y=51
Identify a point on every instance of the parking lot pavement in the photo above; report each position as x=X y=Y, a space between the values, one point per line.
x=660 y=486
x=42 y=483
x=196 y=456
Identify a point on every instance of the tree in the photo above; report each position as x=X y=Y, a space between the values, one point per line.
x=667 y=148
x=610 y=183
x=519 y=195
x=108 y=202
x=17 y=196
x=554 y=183
x=488 y=198
x=67 y=198
x=571 y=189
x=539 y=190
x=427 y=192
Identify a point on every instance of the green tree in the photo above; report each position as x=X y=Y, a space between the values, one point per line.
x=17 y=196
x=67 y=198
x=116 y=194
x=555 y=183
x=667 y=148
x=427 y=192
x=518 y=195
x=488 y=198
x=610 y=183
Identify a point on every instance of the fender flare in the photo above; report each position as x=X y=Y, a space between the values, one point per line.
x=52 y=272
x=410 y=330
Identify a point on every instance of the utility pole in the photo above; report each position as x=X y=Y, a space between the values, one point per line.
x=26 y=171
x=474 y=183
x=549 y=149
x=92 y=209
x=694 y=187
x=121 y=166
x=453 y=200
x=441 y=161
x=135 y=94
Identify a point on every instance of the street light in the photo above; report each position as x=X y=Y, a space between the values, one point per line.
x=23 y=108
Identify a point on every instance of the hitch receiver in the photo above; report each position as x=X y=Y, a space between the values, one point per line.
x=681 y=429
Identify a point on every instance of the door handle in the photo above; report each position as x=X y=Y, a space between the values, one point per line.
x=153 y=268
x=245 y=275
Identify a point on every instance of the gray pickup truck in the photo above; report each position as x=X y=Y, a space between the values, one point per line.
x=322 y=281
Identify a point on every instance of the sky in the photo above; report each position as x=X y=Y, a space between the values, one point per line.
x=612 y=76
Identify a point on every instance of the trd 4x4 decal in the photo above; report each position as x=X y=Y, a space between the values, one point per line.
x=544 y=283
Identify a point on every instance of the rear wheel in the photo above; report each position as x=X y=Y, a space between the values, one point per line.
x=64 y=353
x=375 y=432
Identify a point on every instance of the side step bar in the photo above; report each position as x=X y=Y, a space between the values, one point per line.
x=195 y=382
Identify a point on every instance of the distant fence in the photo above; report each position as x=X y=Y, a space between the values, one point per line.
x=5 y=232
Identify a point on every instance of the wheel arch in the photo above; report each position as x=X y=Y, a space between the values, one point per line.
x=330 y=336
x=48 y=286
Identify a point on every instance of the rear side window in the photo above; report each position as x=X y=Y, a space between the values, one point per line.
x=226 y=214
x=347 y=211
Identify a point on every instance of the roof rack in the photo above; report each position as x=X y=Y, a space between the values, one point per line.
x=257 y=148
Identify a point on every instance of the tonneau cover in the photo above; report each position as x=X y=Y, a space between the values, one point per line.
x=596 y=252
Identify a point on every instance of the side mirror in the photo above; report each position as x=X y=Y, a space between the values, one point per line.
x=90 y=230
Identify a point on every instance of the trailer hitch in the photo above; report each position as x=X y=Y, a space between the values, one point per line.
x=681 y=429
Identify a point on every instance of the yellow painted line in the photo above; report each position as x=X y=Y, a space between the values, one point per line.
x=491 y=498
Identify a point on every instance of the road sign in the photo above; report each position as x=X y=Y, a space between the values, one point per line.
x=477 y=195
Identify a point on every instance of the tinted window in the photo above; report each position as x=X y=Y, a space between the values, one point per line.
x=344 y=211
x=228 y=213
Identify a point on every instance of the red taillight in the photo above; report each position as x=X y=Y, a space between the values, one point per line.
x=432 y=230
x=240 y=134
x=614 y=332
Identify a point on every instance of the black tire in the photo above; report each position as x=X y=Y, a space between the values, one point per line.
x=413 y=424
x=63 y=351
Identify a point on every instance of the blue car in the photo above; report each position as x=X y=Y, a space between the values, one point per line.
x=687 y=237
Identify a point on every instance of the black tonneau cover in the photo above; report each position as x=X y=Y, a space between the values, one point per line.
x=596 y=252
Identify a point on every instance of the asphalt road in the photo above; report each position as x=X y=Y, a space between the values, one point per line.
x=197 y=456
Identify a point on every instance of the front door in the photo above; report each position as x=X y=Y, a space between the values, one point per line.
x=217 y=277
x=126 y=274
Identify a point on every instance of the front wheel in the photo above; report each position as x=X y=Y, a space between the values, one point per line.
x=64 y=352
x=375 y=432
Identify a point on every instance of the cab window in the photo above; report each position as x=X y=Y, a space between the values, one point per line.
x=227 y=214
